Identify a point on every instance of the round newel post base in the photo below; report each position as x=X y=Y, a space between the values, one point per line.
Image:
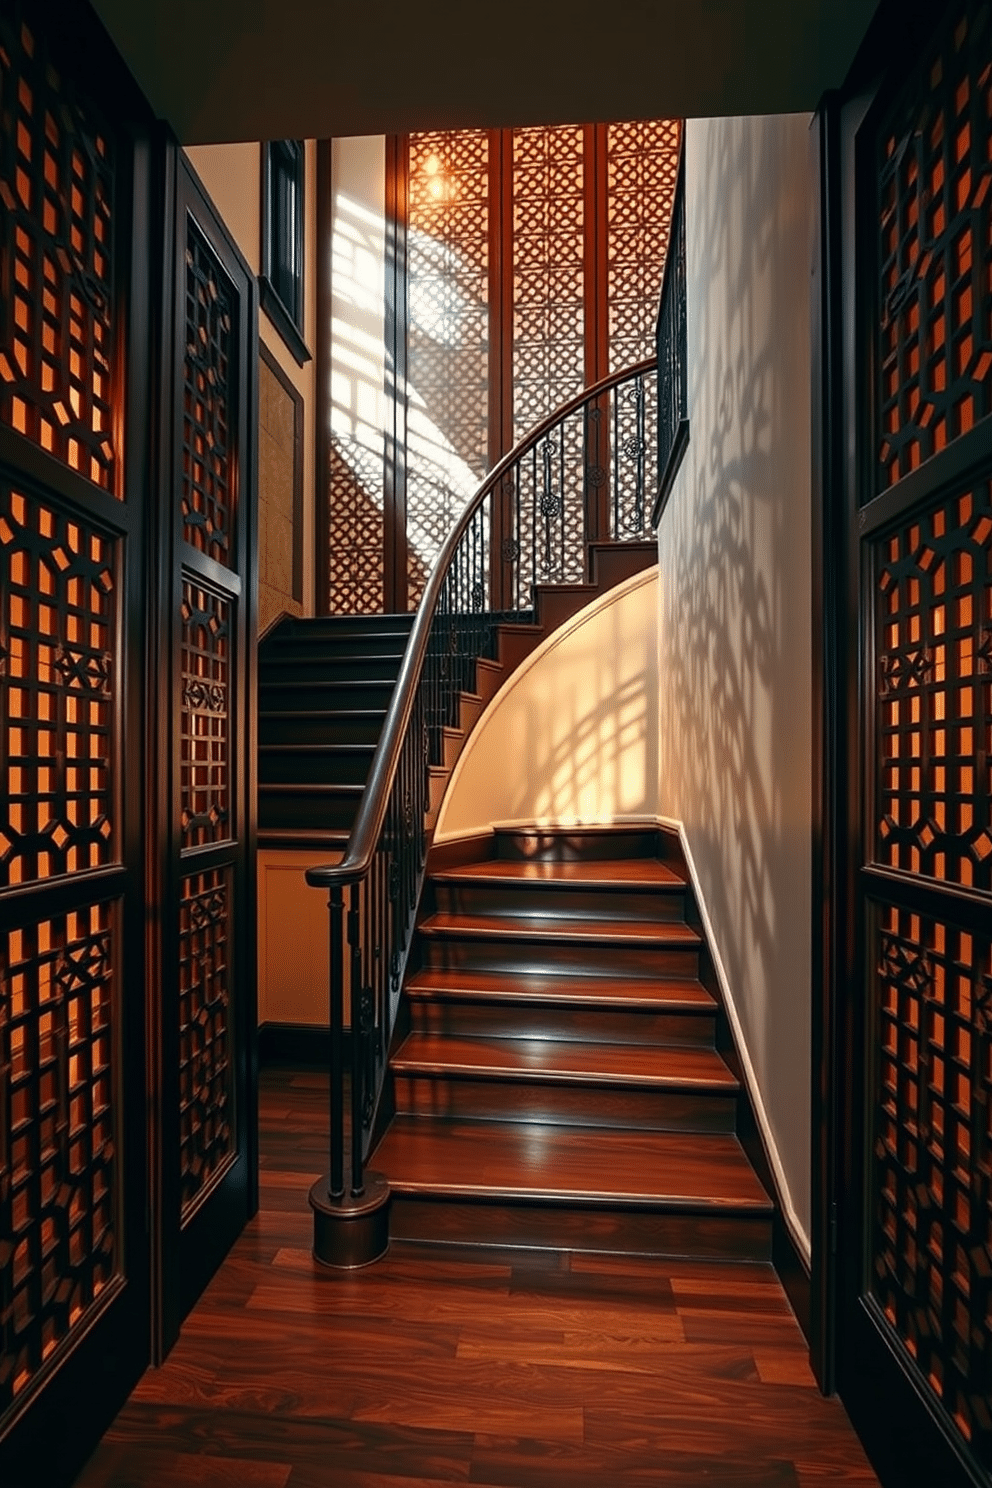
x=349 y=1232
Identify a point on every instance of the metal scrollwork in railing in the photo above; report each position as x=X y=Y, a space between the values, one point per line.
x=580 y=476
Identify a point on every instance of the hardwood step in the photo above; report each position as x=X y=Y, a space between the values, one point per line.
x=368 y=643
x=610 y=563
x=566 y=1082
x=328 y=667
x=312 y=764
x=564 y=844
x=584 y=1008
x=334 y=841
x=362 y=694
x=320 y=725
x=639 y=889
x=305 y=806
x=557 y=603
x=530 y=943
x=520 y=1183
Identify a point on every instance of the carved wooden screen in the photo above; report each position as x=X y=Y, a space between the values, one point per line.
x=74 y=1288
x=528 y=255
x=208 y=602
x=925 y=554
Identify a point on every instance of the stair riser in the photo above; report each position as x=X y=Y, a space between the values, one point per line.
x=325 y=728
x=515 y=648
x=333 y=767
x=567 y=901
x=503 y=954
x=574 y=845
x=482 y=1019
x=327 y=669
x=335 y=627
x=559 y=1227
x=325 y=699
x=566 y=1105
x=288 y=810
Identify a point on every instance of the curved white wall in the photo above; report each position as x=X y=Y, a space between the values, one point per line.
x=735 y=625
x=572 y=735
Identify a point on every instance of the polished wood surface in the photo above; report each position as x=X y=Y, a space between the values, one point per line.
x=497 y=1369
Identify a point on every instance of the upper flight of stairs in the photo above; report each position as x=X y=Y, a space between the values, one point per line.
x=325 y=686
x=559 y=1082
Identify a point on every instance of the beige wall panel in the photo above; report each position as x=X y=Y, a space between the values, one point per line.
x=572 y=735
x=735 y=600
x=292 y=939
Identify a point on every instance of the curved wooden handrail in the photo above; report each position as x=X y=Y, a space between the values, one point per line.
x=368 y=825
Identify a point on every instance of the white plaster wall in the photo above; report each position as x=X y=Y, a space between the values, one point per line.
x=735 y=600
x=571 y=736
x=232 y=175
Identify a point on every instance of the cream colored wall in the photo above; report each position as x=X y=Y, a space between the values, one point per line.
x=572 y=735
x=232 y=175
x=293 y=956
x=735 y=601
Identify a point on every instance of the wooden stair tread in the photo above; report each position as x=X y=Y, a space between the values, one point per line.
x=316 y=788
x=616 y=873
x=566 y=1060
x=330 y=837
x=675 y=994
x=579 y=931
x=530 y=1162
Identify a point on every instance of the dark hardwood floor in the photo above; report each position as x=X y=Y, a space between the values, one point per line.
x=513 y=1368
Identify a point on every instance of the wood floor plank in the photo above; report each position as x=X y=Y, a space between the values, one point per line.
x=510 y=1369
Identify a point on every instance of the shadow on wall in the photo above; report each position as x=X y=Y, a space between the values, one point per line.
x=572 y=736
x=735 y=559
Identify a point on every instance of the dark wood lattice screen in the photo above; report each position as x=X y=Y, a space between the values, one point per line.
x=208 y=497
x=56 y=233
x=928 y=622
x=206 y=1105
x=58 y=1138
x=932 y=1250
x=935 y=251
x=205 y=719
x=58 y=594
x=448 y=248
x=934 y=718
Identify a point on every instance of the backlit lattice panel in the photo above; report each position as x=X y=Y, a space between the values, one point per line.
x=548 y=272
x=56 y=228
x=933 y=713
x=205 y=765
x=932 y=1242
x=206 y=1101
x=355 y=531
x=58 y=1145
x=935 y=249
x=448 y=339
x=58 y=682
x=208 y=478
x=642 y=164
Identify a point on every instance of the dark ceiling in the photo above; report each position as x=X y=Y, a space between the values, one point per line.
x=269 y=69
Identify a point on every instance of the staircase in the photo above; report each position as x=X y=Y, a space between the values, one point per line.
x=559 y=1082
x=325 y=685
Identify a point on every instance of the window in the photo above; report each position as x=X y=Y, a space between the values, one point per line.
x=281 y=279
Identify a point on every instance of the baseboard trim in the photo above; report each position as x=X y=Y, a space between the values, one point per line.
x=307 y=1045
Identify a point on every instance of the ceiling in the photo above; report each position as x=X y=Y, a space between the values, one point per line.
x=222 y=70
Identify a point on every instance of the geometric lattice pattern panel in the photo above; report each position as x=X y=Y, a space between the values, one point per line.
x=209 y=379
x=935 y=249
x=642 y=164
x=205 y=764
x=548 y=272
x=355 y=534
x=933 y=711
x=58 y=1146
x=932 y=1240
x=57 y=325
x=206 y=1104
x=448 y=338
x=58 y=686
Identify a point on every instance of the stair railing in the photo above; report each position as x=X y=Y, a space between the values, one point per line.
x=587 y=473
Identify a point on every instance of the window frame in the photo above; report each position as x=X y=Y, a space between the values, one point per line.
x=287 y=319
